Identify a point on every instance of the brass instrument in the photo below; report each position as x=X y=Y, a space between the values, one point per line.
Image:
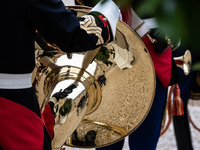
x=184 y=62
x=112 y=96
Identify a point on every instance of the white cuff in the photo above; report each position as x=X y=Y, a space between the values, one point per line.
x=111 y=11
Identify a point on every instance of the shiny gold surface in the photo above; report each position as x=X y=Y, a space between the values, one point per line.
x=109 y=111
x=184 y=62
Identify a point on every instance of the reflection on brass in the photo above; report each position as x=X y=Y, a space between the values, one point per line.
x=184 y=62
x=119 y=130
x=111 y=97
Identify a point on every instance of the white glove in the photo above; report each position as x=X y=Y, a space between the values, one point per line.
x=111 y=11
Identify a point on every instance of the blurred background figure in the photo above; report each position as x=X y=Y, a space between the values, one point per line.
x=187 y=85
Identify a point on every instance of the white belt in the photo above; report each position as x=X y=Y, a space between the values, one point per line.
x=15 y=81
x=142 y=27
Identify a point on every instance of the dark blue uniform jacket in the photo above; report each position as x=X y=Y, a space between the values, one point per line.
x=19 y=21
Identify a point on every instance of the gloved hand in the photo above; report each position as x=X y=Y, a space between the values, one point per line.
x=111 y=11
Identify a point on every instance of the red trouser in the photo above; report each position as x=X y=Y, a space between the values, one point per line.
x=22 y=128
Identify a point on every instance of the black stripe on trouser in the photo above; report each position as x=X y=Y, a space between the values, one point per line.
x=47 y=140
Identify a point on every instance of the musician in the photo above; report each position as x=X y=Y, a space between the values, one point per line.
x=181 y=123
x=146 y=136
x=148 y=133
x=22 y=125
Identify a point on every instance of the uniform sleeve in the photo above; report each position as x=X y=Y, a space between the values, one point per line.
x=61 y=27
